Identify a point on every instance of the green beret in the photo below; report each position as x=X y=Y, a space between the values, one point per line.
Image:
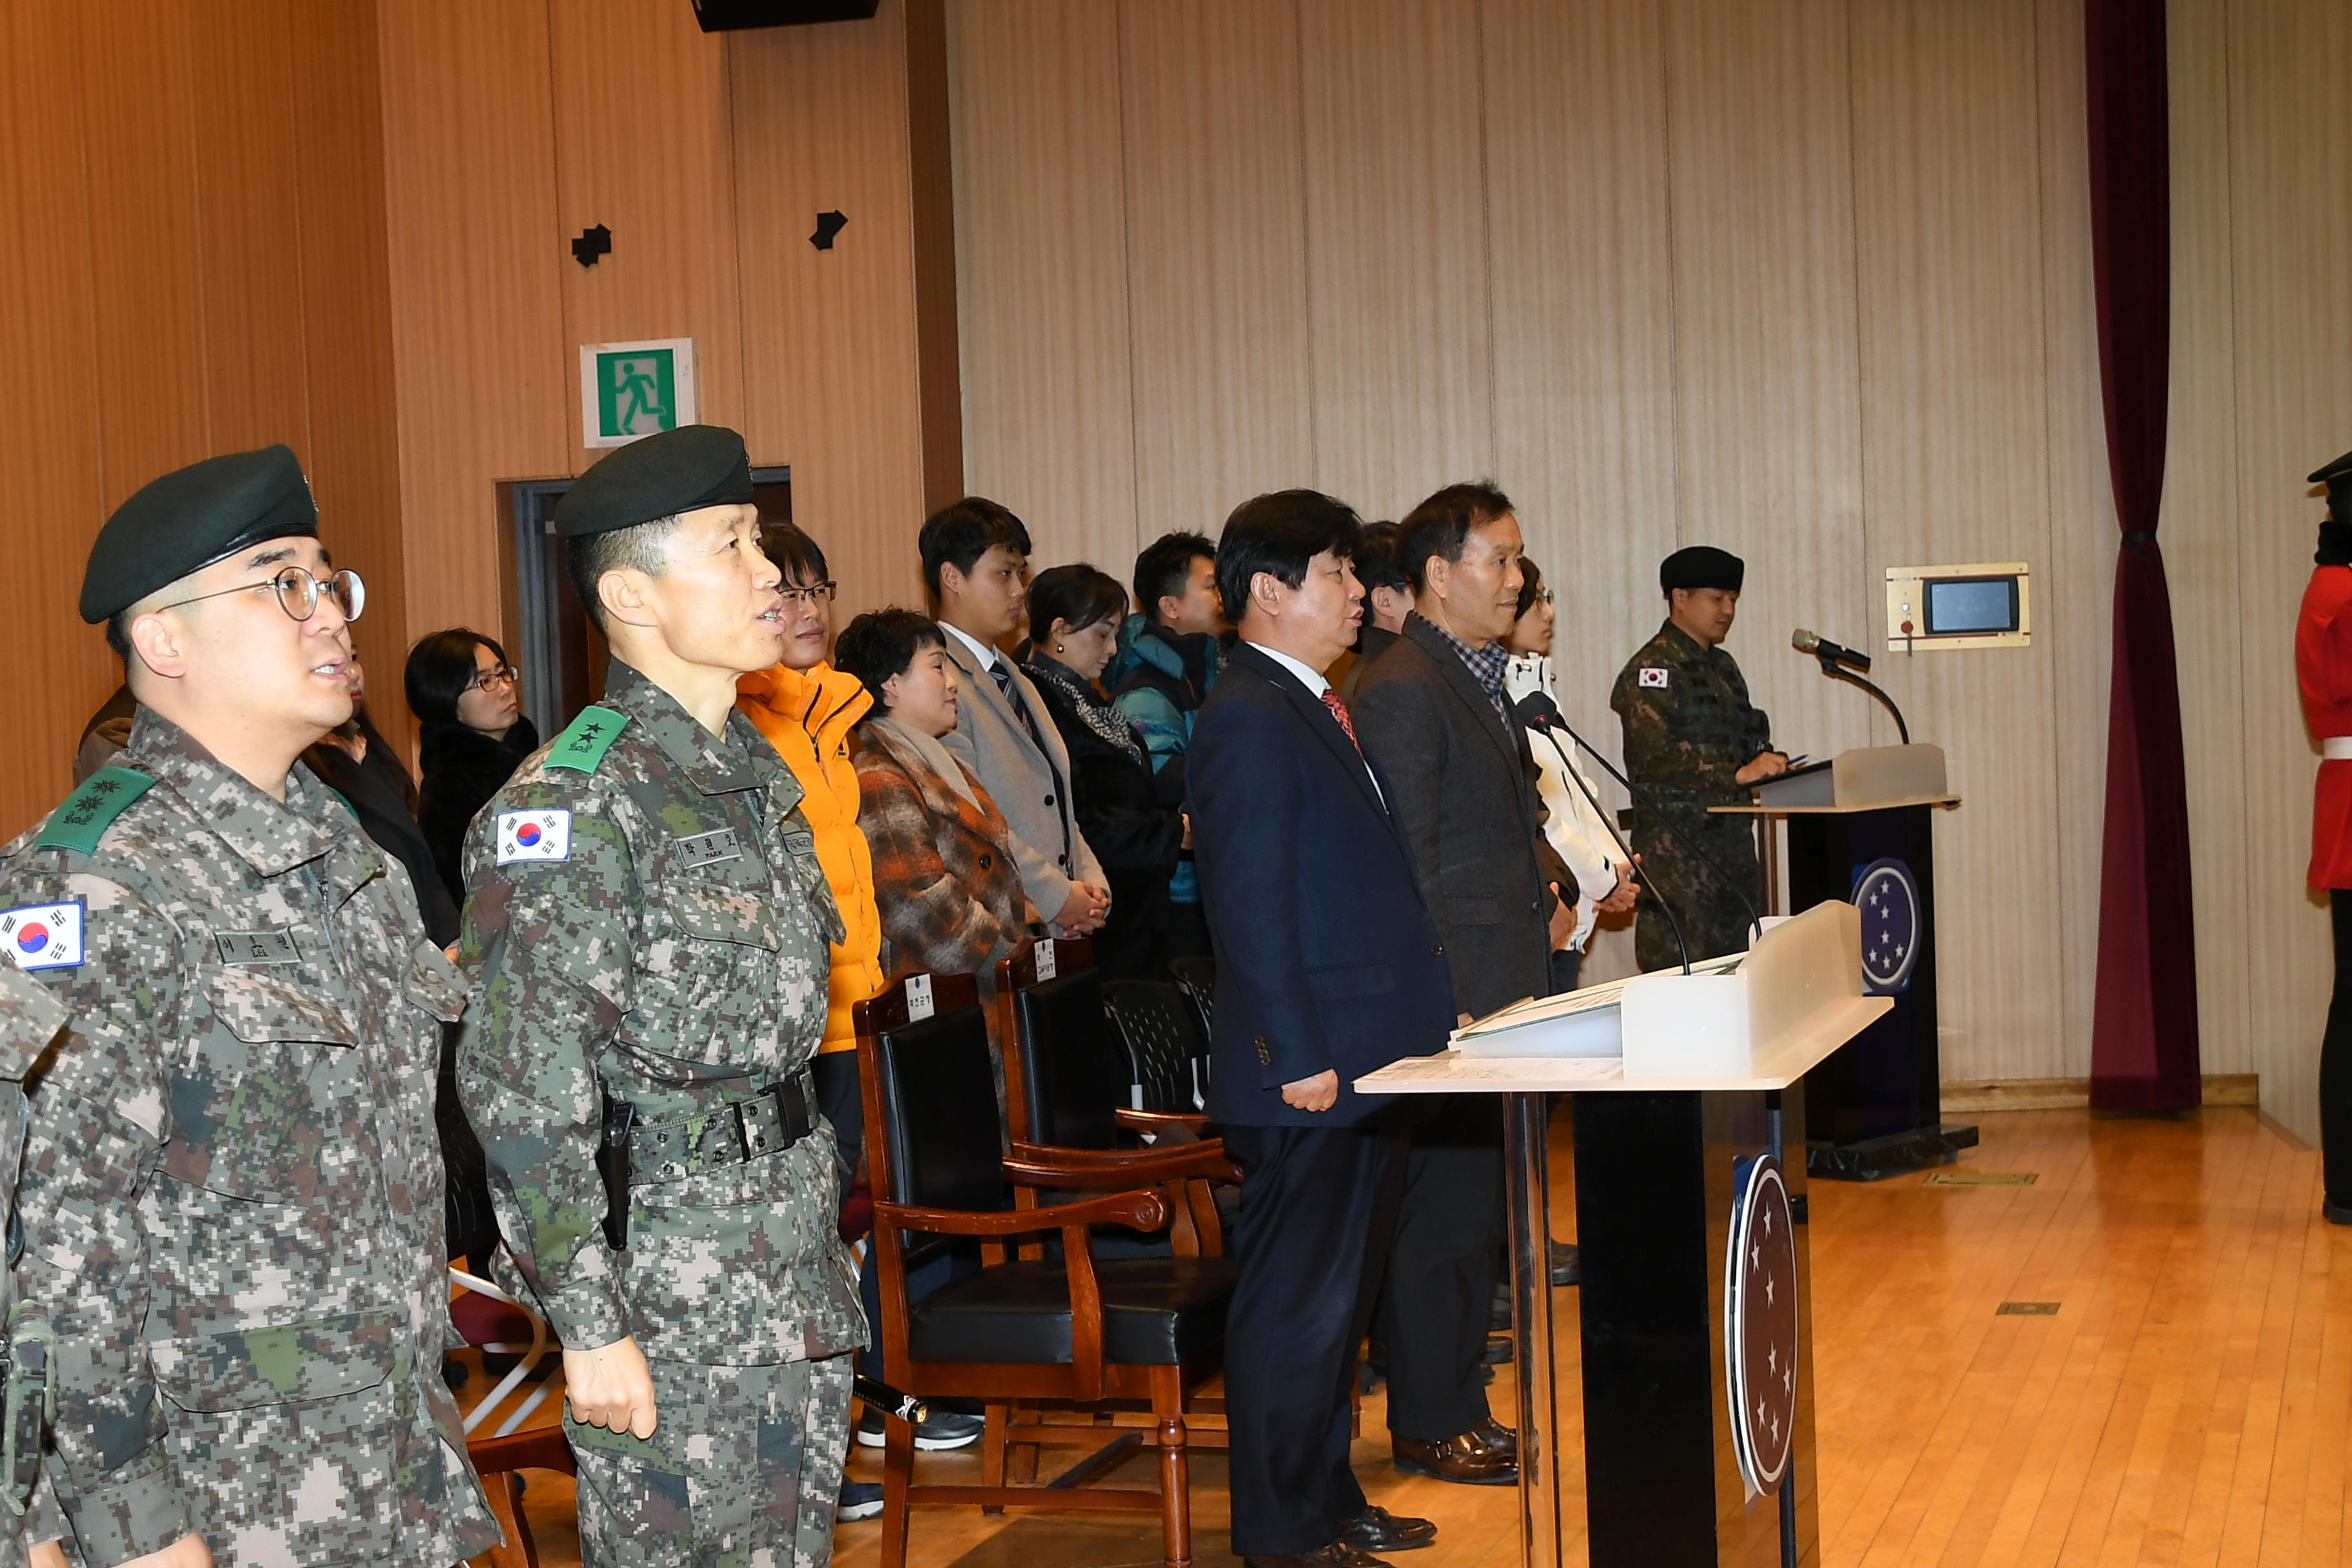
x=1702 y=566
x=660 y=475
x=191 y=518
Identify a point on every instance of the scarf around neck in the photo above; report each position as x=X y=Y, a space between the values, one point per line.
x=928 y=750
x=2335 y=544
x=1107 y=722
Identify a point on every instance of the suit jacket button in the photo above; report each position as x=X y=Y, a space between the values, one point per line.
x=1049 y=800
x=1437 y=949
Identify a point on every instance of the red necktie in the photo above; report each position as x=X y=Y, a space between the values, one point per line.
x=1340 y=711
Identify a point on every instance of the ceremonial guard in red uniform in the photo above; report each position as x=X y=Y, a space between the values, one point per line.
x=2323 y=667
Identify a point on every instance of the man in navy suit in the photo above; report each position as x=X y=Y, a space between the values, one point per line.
x=1328 y=967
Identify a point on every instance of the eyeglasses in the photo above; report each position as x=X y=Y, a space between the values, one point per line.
x=298 y=592
x=504 y=675
x=814 y=593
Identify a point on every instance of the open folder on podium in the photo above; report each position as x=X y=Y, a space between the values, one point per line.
x=1770 y=1012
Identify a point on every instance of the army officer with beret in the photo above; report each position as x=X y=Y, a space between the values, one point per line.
x=232 y=1191
x=649 y=927
x=1693 y=740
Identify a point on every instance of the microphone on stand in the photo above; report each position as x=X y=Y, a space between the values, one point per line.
x=1828 y=652
x=1844 y=664
x=1537 y=711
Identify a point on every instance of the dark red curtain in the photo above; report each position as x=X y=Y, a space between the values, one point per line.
x=2144 y=1035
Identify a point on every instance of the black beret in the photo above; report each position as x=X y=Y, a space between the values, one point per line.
x=1701 y=566
x=2338 y=477
x=659 y=476
x=191 y=518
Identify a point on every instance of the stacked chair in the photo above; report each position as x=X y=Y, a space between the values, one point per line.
x=1034 y=1327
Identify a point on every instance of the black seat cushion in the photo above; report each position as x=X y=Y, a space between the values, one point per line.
x=1157 y=1311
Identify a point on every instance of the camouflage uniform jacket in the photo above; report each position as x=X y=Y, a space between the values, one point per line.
x=649 y=921
x=1689 y=726
x=29 y=1019
x=232 y=1191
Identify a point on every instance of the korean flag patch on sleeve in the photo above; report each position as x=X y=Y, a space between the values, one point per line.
x=42 y=936
x=1650 y=676
x=543 y=835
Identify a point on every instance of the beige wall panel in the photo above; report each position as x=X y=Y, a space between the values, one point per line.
x=1041 y=271
x=484 y=367
x=249 y=225
x=1575 y=107
x=1216 y=230
x=1765 y=354
x=2201 y=534
x=643 y=146
x=1948 y=225
x=2294 y=260
x=820 y=119
x=2074 y=608
x=353 y=458
x=49 y=406
x=1397 y=292
x=138 y=120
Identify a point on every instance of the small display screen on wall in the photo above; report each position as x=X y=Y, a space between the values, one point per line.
x=1964 y=605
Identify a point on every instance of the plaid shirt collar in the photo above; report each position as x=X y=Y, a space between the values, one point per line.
x=1486 y=665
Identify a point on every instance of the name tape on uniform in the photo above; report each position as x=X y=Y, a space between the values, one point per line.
x=257 y=947
x=1650 y=676
x=710 y=848
x=42 y=936
x=543 y=835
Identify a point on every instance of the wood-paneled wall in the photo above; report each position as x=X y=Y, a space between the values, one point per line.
x=511 y=125
x=195 y=191
x=1806 y=278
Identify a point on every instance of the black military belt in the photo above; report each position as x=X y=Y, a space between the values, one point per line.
x=768 y=1123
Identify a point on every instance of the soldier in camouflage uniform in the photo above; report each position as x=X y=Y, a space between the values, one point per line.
x=1693 y=740
x=232 y=1192
x=649 y=925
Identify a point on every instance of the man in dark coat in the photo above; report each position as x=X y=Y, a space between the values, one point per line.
x=1433 y=717
x=1329 y=967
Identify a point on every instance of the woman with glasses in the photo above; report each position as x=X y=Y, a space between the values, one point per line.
x=463 y=692
x=1604 y=877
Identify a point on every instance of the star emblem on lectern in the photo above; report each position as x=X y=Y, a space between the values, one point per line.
x=1892 y=920
x=1760 y=1325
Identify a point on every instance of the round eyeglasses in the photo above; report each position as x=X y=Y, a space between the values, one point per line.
x=298 y=592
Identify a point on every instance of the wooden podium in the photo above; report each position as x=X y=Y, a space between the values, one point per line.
x=1695 y=1312
x=1861 y=828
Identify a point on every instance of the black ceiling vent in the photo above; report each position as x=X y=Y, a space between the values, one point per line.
x=737 y=15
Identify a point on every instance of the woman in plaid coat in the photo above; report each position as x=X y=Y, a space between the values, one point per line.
x=943 y=869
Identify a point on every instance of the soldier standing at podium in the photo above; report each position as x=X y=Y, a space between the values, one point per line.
x=1693 y=740
x=2323 y=668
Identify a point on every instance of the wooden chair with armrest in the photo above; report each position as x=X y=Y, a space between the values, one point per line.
x=1068 y=1331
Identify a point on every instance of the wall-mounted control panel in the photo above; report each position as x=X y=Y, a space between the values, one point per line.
x=1935 y=608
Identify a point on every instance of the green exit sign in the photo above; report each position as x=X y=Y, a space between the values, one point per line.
x=628 y=390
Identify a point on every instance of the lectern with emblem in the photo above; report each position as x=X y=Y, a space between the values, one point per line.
x=1692 y=1320
x=1861 y=827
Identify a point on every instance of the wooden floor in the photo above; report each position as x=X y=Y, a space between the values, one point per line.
x=2188 y=1402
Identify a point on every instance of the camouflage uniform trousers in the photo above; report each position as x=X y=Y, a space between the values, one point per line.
x=743 y=1470
x=1714 y=920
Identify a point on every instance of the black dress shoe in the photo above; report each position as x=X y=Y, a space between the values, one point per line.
x=2336 y=1213
x=1468 y=1459
x=1338 y=1554
x=1377 y=1530
x=1567 y=1264
x=1499 y=1438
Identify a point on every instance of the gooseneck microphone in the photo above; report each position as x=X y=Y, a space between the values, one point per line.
x=1537 y=711
x=1844 y=664
x=1828 y=652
